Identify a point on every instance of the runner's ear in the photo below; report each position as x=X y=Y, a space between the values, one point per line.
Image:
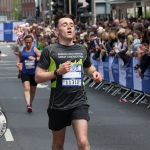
x=56 y=31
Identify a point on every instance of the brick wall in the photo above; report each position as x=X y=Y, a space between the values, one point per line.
x=6 y=9
x=28 y=9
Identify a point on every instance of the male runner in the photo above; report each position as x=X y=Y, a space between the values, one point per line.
x=68 y=102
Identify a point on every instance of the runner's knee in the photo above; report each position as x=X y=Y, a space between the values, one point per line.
x=58 y=144
x=83 y=143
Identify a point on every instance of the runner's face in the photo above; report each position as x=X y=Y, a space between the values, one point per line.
x=66 y=28
x=28 y=42
x=21 y=41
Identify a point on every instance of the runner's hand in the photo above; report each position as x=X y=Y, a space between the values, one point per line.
x=64 y=68
x=31 y=58
x=97 y=77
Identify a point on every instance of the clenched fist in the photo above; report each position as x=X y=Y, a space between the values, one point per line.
x=64 y=68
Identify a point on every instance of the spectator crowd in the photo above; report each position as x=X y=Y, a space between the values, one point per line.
x=124 y=39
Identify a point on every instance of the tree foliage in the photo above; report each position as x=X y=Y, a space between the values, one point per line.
x=17 y=11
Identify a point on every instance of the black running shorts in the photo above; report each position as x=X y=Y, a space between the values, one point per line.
x=28 y=77
x=60 y=119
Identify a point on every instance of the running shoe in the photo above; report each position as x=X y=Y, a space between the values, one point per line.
x=29 y=108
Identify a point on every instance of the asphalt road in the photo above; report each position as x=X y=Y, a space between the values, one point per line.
x=113 y=125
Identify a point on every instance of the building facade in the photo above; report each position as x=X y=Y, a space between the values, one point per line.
x=130 y=8
x=28 y=9
x=6 y=9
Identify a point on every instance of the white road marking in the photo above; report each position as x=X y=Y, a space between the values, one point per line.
x=8 y=46
x=7 y=61
x=8 y=135
x=8 y=77
x=7 y=64
x=4 y=55
x=7 y=67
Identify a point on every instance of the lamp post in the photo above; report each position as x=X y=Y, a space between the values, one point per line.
x=93 y=7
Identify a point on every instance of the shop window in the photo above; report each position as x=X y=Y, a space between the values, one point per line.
x=147 y=11
x=130 y=12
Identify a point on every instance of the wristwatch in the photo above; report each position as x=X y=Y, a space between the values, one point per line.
x=56 y=73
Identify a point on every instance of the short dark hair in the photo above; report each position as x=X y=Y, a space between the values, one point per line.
x=82 y=27
x=145 y=40
x=28 y=36
x=121 y=36
x=59 y=16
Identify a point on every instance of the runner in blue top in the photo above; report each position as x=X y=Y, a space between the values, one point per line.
x=29 y=56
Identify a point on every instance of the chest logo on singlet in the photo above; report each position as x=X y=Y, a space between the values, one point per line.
x=30 y=64
x=73 y=77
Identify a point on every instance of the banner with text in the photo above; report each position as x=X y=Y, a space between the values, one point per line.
x=113 y=70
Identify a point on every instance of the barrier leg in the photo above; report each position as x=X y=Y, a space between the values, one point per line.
x=99 y=85
x=141 y=99
x=127 y=94
x=91 y=84
x=85 y=78
x=137 y=98
x=110 y=89
x=88 y=80
x=107 y=88
x=115 y=91
x=148 y=106
x=124 y=94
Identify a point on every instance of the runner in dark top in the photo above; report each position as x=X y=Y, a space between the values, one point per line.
x=52 y=57
x=66 y=63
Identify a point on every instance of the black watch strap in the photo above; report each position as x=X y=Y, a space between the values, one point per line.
x=56 y=73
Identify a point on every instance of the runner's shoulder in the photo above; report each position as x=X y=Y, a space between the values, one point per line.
x=49 y=48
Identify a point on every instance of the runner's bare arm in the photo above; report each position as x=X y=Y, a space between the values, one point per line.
x=38 y=53
x=89 y=71
x=19 y=57
x=41 y=75
x=16 y=51
x=92 y=72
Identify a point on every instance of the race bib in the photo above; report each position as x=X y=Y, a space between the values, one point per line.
x=30 y=64
x=73 y=77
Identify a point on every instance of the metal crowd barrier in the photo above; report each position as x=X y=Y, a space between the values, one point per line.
x=116 y=88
